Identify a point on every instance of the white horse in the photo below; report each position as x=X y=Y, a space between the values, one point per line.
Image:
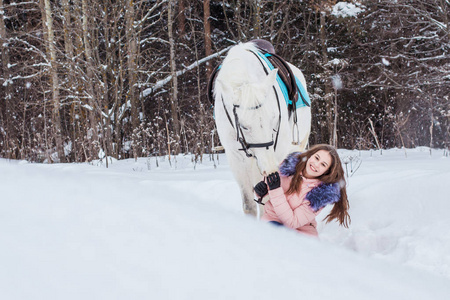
x=253 y=121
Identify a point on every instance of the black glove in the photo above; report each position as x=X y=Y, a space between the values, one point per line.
x=261 y=189
x=273 y=180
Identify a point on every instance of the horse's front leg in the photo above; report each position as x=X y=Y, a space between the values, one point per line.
x=247 y=182
x=248 y=203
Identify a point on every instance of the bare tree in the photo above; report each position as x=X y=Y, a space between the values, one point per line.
x=90 y=92
x=56 y=118
x=207 y=26
x=174 y=96
x=181 y=18
x=257 y=19
x=129 y=77
x=132 y=65
x=5 y=115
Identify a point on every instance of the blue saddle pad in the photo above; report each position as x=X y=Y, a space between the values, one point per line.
x=301 y=90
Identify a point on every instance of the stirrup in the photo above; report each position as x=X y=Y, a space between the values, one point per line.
x=218 y=148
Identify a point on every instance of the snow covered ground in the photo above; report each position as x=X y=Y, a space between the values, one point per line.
x=138 y=231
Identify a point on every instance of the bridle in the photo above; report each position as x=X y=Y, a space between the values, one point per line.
x=241 y=138
x=240 y=135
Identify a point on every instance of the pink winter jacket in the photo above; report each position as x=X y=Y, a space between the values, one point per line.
x=292 y=211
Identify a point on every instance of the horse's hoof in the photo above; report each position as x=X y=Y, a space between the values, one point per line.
x=250 y=211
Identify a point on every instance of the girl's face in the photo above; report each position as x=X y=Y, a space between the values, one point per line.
x=317 y=164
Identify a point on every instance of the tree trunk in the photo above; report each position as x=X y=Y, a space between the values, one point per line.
x=93 y=131
x=68 y=44
x=207 y=27
x=5 y=106
x=132 y=69
x=237 y=19
x=107 y=112
x=181 y=18
x=202 y=113
x=327 y=96
x=431 y=122
x=71 y=76
x=56 y=118
x=335 y=108
x=174 y=96
x=257 y=20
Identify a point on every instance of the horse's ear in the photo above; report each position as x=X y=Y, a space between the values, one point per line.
x=269 y=81
x=223 y=86
x=271 y=78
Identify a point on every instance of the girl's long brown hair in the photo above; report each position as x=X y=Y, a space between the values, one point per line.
x=335 y=173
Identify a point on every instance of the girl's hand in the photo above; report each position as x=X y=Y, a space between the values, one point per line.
x=261 y=189
x=273 y=181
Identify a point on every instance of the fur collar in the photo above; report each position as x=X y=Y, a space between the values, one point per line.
x=320 y=196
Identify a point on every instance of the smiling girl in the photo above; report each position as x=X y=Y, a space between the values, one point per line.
x=305 y=184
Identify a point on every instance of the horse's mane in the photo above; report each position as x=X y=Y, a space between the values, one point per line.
x=240 y=76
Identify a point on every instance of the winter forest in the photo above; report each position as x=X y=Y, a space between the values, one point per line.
x=81 y=79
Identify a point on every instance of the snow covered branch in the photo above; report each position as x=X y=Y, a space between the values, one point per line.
x=159 y=84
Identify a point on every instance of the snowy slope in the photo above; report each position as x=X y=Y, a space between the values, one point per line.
x=138 y=231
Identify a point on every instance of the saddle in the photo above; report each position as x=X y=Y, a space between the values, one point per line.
x=286 y=75
x=284 y=71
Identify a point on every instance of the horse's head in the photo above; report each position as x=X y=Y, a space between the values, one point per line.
x=255 y=114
